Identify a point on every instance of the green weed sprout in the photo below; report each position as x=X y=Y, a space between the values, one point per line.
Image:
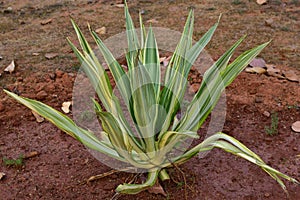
x=157 y=131
x=13 y=162
x=273 y=128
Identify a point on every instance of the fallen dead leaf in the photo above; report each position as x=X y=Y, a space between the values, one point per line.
x=152 y=21
x=269 y=22
x=38 y=118
x=120 y=5
x=157 y=189
x=11 y=67
x=261 y=2
x=31 y=154
x=101 y=30
x=296 y=126
x=46 y=21
x=2 y=175
x=66 y=106
x=161 y=60
x=50 y=55
x=273 y=71
x=291 y=76
x=258 y=70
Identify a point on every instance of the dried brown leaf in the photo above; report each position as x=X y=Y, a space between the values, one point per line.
x=152 y=21
x=38 y=118
x=50 y=55
x=261 y=2
x=46 y=21
x=157 y=189
x=296 y=126
x=11 y=67
x=291 y=76
x=258 y=70
x=101 y=30
x=162 y=59
x=66 y=106
x=31 y=154
x=120 y=5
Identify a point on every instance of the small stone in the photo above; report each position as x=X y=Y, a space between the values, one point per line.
x=266 y=113
x=295 y=149
x=20 y=79
x=41 y=95
x=1 y=58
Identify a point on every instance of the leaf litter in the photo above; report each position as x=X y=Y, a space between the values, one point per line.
x=11 y=67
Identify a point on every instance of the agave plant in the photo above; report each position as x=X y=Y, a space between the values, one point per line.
x=157 y=131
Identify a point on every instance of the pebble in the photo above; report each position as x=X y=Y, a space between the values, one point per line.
x=2 y=175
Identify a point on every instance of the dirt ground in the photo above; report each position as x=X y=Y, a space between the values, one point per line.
x=30 y=30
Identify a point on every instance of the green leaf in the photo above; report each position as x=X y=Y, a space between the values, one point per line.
x=67 y=125
x=151 y=61
x=136 y=188
x=143 y=100
x=231 y=145
x=132 y=39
